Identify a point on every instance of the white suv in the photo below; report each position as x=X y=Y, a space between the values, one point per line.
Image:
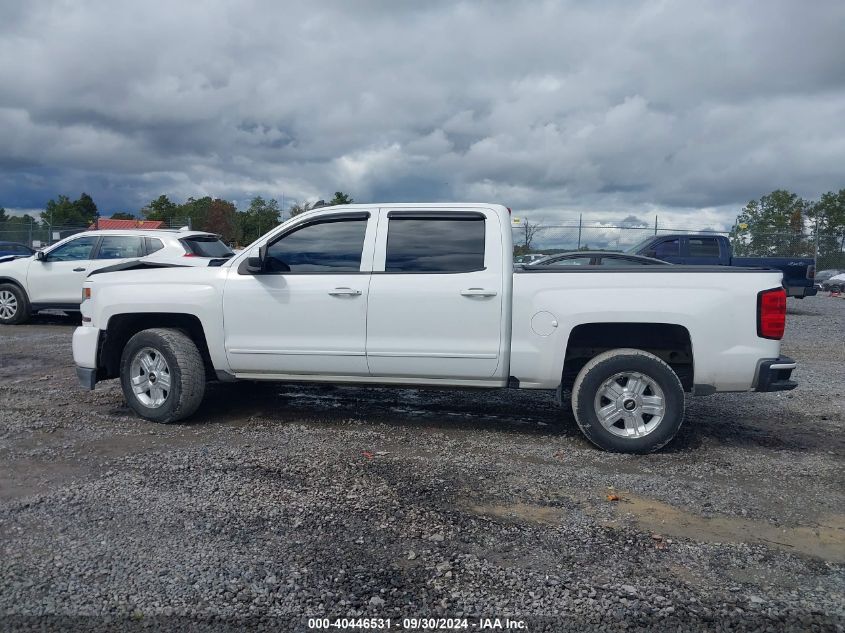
x=52 y=279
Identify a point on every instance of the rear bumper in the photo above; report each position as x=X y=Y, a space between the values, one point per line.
x=87 y=377
x=773 y=374
x=801 y=291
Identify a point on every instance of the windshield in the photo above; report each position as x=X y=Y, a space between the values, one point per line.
x=638 y=246
x=207 y=246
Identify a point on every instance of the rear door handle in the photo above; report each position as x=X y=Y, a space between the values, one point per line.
x=344 y=292
x=79 y=270
x=478 y=292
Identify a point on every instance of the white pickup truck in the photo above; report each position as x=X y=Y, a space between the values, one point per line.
x=427 y=295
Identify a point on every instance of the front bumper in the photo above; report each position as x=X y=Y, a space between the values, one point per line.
x=87 y=377
x=85 y=344
x=773 y=374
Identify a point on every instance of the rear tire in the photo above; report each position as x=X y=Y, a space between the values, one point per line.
x=628 y=401
x=14 y=305
x=162 y=375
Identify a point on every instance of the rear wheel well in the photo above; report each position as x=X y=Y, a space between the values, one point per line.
x=671 y=343
x=122 y=327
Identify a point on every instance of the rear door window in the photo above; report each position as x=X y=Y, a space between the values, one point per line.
x=120 y=247
x=703 y=247
x=206 y=246
x=420 y=244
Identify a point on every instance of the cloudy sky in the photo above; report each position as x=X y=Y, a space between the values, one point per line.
x=612 y=109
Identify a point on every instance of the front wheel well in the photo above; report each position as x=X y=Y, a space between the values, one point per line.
x=9 y=280
x=122 y=327
x=669 y=342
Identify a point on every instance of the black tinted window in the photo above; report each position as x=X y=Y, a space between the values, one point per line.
x=120 y=247
x=75 y=250
x=331 y=246
x=568 y=261
x=154 y=244
x=669 y=248
x=435 y=245
x=207 y=247
x=703 y=247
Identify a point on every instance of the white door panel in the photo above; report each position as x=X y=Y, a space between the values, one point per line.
x=57 y=282
x=58 y=278
x=421 y=325
x=306 y=313
x=296 y=323
x=435 y=324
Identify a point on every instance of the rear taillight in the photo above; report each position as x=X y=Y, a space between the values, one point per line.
x=811 y=271
x=189 y=255
x=771 y=313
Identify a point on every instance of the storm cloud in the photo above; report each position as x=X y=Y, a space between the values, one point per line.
x=553 y=108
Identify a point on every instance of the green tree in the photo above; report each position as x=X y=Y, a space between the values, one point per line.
x=219 y=218
x=300 y=207
x=773 y=225
x=3 y=216
x=64 y=212
x=86 y=207
x=160 y=209
x=195 y=212
x=123 y=215
x=261 y=216
x=827 y=218
x=340 y=198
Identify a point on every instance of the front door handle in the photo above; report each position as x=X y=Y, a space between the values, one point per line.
x=344 y=292
x=79 y=270
x=478 y=292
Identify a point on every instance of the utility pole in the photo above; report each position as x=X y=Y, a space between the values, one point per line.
x=580 y=216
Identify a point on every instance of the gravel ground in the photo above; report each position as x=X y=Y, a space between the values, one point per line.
x=279 y=502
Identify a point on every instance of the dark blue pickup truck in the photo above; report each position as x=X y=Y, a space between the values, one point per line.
x=715 y=250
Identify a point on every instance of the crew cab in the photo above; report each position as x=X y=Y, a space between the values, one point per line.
x=715 y=250
x=52 y=279
x=427 y=295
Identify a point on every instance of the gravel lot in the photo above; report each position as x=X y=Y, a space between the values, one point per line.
x=280 y=502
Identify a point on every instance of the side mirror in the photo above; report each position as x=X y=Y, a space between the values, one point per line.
x=40 y=256
x=254 y=265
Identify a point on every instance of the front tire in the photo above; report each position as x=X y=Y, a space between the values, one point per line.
x=162 y=375
x=628 y=401
x=14 y=305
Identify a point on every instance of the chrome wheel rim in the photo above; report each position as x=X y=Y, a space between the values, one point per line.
x=150 y=375
x=630 y=404
x=8 y=304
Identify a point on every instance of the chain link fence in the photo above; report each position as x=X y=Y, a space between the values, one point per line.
x=40 y=234
x=827 y=248
x=529 y=237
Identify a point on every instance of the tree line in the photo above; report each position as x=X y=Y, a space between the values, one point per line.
x=784 y=223
x=215 y=215
x=778 y=223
